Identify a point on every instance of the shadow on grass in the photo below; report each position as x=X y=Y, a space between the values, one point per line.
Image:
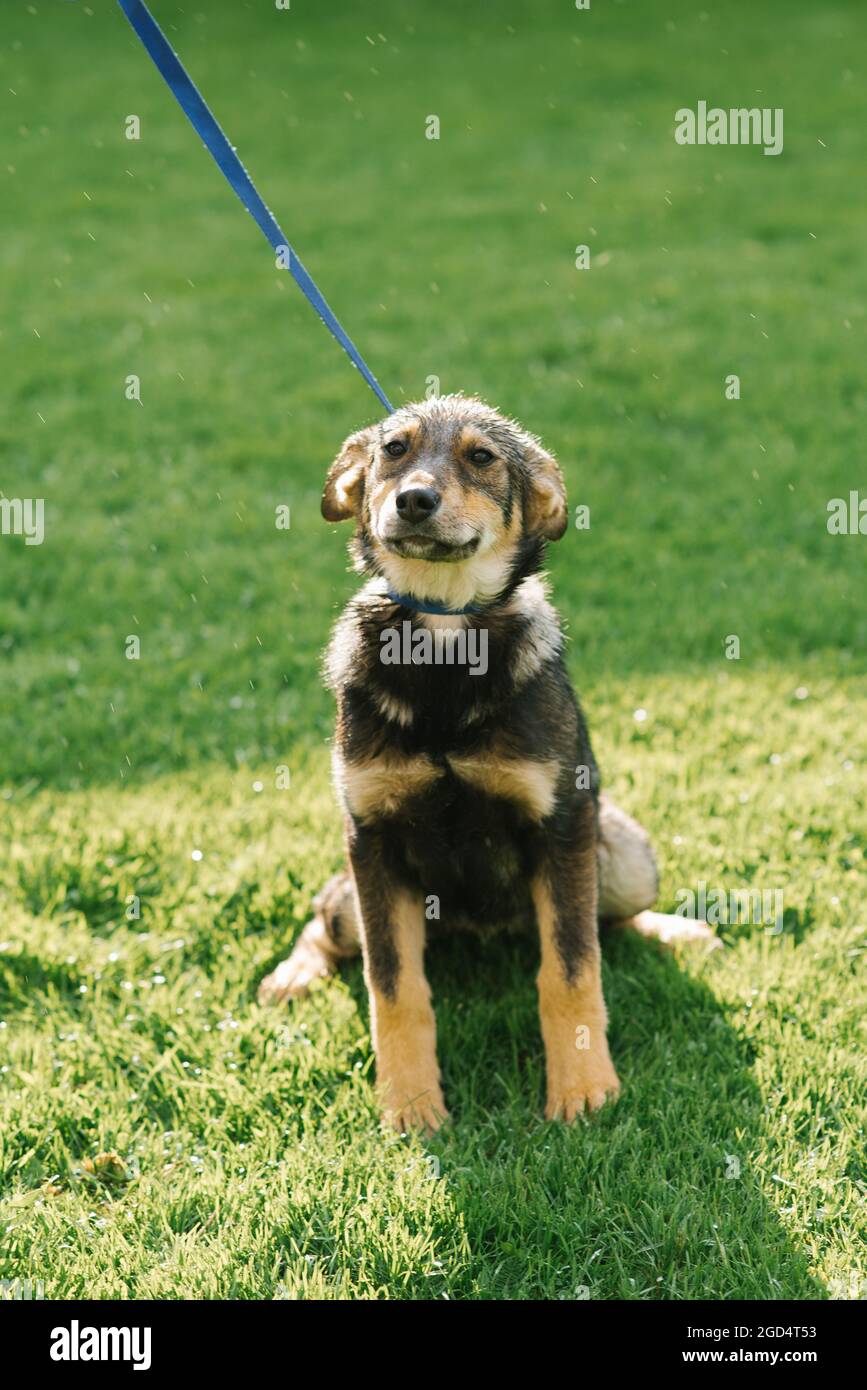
x=659 y=1196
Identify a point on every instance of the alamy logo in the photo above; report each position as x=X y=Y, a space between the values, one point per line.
x=76 y=1343
x=21 y=1290
x=733 y=907
x=737 y=126
x=445 y=646
x=23 y=516
x=847 y=517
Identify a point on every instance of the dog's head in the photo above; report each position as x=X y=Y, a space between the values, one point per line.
x=452 y=501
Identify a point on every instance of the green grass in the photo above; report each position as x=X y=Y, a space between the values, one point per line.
x=254 y=1166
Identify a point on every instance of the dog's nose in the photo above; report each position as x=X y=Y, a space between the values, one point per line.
x=417 y=503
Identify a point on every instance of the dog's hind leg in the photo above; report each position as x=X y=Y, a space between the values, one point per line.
x=330 y=936
x=628 y=882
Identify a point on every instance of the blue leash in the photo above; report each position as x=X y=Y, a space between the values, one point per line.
x=204 y=123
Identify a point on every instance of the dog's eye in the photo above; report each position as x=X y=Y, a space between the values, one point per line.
x=481 y=457
x=395 y=448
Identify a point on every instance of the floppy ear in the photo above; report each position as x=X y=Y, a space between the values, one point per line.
x=545 y=509
x=344 y=486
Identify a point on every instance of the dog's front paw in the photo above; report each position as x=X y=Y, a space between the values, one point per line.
x=413 y=1107
x=418 y=1117
x=586 y=1084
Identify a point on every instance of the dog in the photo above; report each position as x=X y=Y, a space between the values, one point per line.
x=471 y=797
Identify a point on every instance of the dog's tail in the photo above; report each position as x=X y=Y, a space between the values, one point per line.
x=628 y=882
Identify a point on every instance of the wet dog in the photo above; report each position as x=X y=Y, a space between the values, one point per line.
x=471 y=797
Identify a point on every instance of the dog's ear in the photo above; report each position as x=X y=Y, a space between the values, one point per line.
x=545 y=509
x=344 y=486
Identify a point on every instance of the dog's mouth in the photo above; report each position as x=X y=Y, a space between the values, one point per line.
x=431 y=548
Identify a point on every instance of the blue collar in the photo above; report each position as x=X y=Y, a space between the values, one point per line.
x=418 y=605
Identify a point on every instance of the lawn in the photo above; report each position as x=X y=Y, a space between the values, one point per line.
x=156 y=865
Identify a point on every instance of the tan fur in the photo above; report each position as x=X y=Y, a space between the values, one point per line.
x=381 y=785
x=394 y=709
x=547 y=511
x=344 y=485
x=347 y=488
x=529 y=784
x=481 y=512
x=471 y=437
x=577 y=1076
x=410 y=428
x=404 y=1031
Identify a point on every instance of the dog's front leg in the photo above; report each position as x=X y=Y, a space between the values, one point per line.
x=565 y=893
x=402 y=1020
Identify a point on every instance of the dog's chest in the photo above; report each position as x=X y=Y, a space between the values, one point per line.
x=462 y=827
x=419 y=786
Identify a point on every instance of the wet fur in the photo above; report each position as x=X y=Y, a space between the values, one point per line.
x=462 y=790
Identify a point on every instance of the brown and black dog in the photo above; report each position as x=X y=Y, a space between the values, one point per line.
x=470 y=793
